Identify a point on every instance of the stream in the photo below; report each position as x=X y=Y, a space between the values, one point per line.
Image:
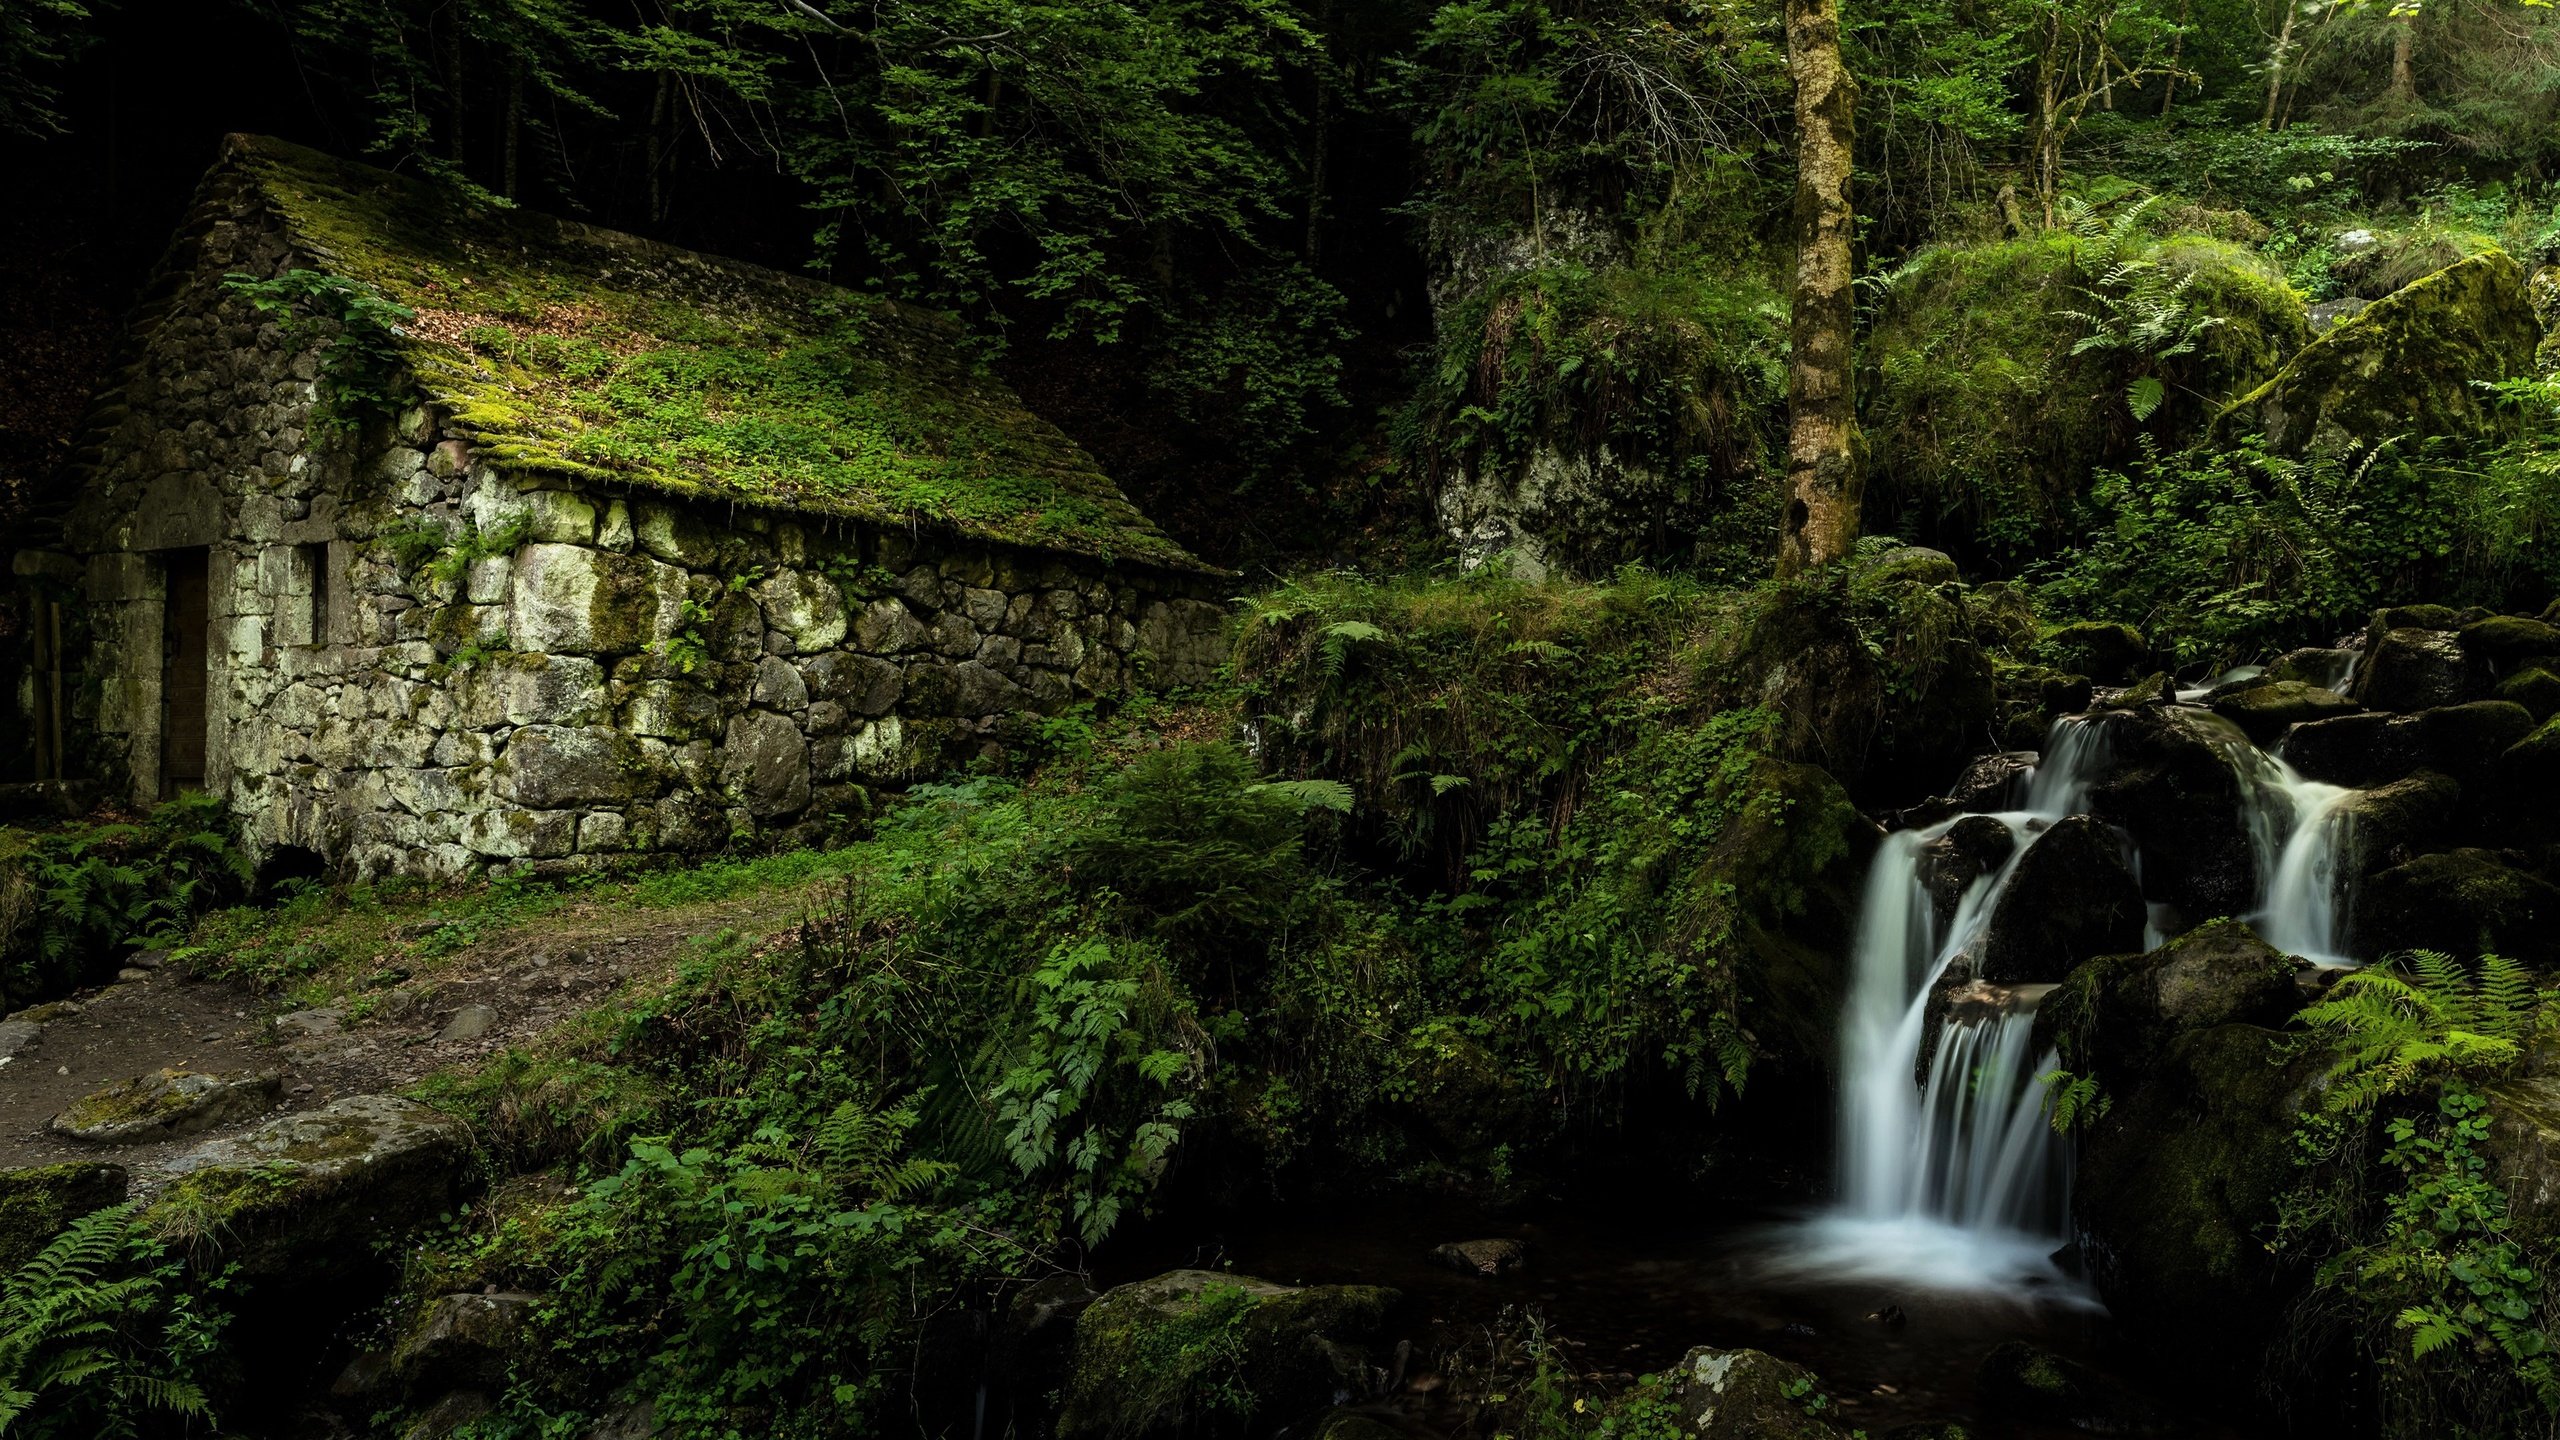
x=1952 y=1199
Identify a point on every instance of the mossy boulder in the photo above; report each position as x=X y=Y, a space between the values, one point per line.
x=2504 y=639
x=2406 y=365
x=1744 y=1395
x=310 y=1193
x=38 y=1202
x=1985 y=425
x=1199 y=1353
x=463 y=1340
x=2175 y=1187
x=2393 y=824
x=164 y=1105
x=2174 y=786
x=2115 y=1014
x=2267 y=710
x=2407 y=668
x=2535 y=688
x=1791 y=867
x=2108 y=652
x=2462 y=902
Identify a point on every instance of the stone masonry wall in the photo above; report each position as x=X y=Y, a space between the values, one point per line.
x=497 y=670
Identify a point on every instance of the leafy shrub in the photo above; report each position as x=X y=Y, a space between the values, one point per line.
x=361 y=363
x=2413 y=1255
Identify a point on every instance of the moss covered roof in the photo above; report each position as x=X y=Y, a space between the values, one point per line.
x=571 y=350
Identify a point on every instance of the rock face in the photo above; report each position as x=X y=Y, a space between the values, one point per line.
x=308 y=1193
x=1744 y=1395
x=35 y=1204
x=2073 y=896
x=171 y=1103
x=2123 y=1010
x=2176 y=791
x=1196 y=1352
x=2405 y=365
x=1973 y=847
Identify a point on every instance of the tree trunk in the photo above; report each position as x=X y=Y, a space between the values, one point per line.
x=2049 y=119
x=2275 y=62
x=515 y=132
x=1825 y=479
x=2404 y=46
x=2177 y=53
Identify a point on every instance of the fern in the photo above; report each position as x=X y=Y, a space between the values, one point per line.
x=92 y=1341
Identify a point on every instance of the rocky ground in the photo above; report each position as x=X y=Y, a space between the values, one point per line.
x=501 y=990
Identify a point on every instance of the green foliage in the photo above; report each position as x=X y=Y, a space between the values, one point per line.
x=363 y=368
x=2072 y=1101
x=2232 y=555
x=36 y=37
x=72 y=896
x=2412 y=1244
x=102 y=1335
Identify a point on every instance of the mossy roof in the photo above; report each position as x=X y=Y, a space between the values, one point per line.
x=575 y=351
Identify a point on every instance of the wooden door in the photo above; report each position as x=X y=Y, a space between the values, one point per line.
x=184 y=652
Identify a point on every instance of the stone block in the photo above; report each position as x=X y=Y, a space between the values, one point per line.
x=568 y=598
x=549 y=766
x=487 y=582
x=951 y=634
x=670 y=710
x=601 y=833
x=521 y=834
x=765 y=763
x=779 y=685
x=807 y=607
x=887 y=627
x=864 y=683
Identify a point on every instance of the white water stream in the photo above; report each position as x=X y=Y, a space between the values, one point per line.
x=1955 y=1180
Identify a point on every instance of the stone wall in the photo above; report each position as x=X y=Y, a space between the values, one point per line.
x=422 y=663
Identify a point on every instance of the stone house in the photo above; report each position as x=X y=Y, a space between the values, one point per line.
x=432 y=537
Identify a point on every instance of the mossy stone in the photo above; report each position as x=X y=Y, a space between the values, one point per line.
x=2409 y=364
x=2463 y=902
x=2268 y=710
x=2535 y=688
x=1744 y=1395
x=1200 y=1353
x=2511 y=637
x=2106 y=651
x=37 y=1203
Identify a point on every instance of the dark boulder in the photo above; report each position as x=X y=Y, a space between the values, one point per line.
x=2368 y=749
x=2106 y=652
x=460 y=1341
x=2325 y=668
x=2464 y=902
x=2466 y=739
x=1743 y=1395
x=2413 y=669
x=1949 y=865
x=2396 y=823
x=2114 y=1015
x=2176 y=789
x=37 y=1203
x=2504 y=639
x=1993 y=782
x=2535 y=688
x=1171 y=1355
x=2266 y=710
x=2524 y=786
x=2416 y=617
x=2026 y=1382
x=2073 y=896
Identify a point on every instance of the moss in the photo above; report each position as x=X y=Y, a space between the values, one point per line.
x=566 y=350
x=2409 y=365
x=1985 y=427
x=36 y=1203
x=1199 y=1353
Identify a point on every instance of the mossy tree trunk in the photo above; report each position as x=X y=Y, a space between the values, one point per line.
x=2404 y=48
x=2276 y=57
x=1825 y=478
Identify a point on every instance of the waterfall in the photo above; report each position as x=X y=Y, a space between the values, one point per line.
x=2301 y=832
x=1953 y=1179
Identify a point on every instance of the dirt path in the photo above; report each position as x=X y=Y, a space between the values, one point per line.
x=529 y=979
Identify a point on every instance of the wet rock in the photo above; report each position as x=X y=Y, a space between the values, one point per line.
x=1973 y=847
x=2118 y=1012
x=2108 y=653
x=2155 y=688
x=1140 y=1371
x=2504 y=639
x=169 y=1104
x=2535 y=688
x=2393 y=824
x=469 y=1023
x=2267 y=710
x=2027 y=1382
x=2326 y=668
x=1993 y=782
x=1481 y=1257
x=2463 y=902
x=2072 y=896
x=308 y=1194
x=463 y=1341
x=2465 y=739
x=2413 y=669
x=2368 y=749
x=1743 y=1395
x=37 y=1202
x=2176 y=790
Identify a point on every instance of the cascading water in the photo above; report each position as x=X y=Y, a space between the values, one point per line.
x=1955 y=1180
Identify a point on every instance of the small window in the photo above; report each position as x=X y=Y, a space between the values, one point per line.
x=315 y=564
